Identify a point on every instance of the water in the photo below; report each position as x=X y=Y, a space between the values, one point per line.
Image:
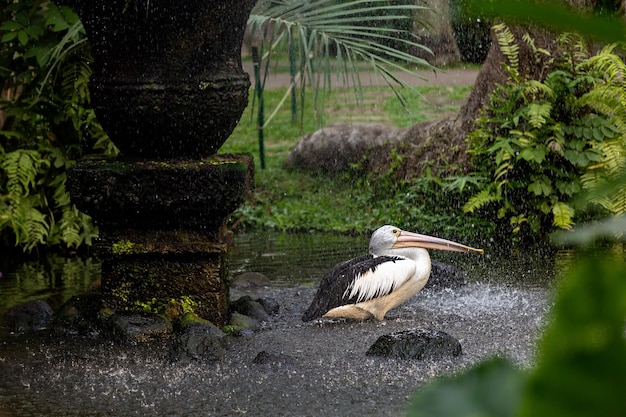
x=53 y=279
x=289 y=259
x=323 y=370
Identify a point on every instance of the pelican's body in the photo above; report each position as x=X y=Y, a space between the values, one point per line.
x=397 y=267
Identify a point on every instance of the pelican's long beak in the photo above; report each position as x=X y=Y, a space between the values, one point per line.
x=409 y=239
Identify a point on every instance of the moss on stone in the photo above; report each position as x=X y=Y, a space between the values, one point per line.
x=124 y=247
x=151 y=306
x=122 y=292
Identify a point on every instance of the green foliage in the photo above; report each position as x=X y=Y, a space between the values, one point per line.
x=609 y=100
x=492 y=388
x=46 y=125
x=541 y=142
x=292 y=200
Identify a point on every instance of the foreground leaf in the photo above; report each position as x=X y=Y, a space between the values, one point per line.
x=492 y=389
x=582 y=365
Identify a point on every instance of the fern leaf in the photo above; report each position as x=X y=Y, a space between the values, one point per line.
x=21 y=168
x=508 y=45
x=533 y=89
x=539 y=113
x=29 y=225
x=480 y=200
x=563 y=216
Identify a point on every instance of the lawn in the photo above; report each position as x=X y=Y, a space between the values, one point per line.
x=288 y=200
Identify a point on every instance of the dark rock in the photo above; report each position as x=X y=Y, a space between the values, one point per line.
x=337 y=147
x=247 y=306
x=244 y=323
x=267 y=358
x=250 y=279
x=80 y=315
x=31 y=315
x=416 y=344
x=444 y=275
x=138 y=328
x=270 y=305
x=198 y=340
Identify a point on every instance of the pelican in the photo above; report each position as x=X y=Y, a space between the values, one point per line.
x=397 y=267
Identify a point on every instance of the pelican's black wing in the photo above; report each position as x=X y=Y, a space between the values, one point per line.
x=333 y=286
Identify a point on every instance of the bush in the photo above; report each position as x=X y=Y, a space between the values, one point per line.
x=46 y=125
x=541 y=143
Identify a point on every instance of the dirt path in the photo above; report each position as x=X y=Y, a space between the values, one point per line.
x=449 y=77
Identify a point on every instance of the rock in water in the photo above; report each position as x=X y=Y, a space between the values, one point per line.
x=268 y=358
x=445 y=276
x=249 y=307
x=199 y=340
x=31 y=315
x=416 y=344
x=139 y=328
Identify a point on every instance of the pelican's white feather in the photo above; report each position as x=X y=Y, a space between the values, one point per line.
x=382 y=280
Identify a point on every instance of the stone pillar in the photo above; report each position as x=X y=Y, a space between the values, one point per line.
x=161 y=225
x=168 y=87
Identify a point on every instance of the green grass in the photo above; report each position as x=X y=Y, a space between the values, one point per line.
x=290 y=200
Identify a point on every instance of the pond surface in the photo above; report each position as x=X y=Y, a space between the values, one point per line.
x=323 y=368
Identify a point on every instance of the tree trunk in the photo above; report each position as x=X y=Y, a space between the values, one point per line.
x=436 y=34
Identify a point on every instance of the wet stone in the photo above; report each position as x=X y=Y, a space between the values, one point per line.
x=243 y=324
x=270 y=305
x=31 y=315
x=416 y=344
x=139 y=328
x=335 y=148
x=269 y=358
x=250 y=279
x=80 y=315
x=199 y=340
x=249 y=307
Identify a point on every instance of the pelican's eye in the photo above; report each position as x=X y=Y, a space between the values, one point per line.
x=396 y=232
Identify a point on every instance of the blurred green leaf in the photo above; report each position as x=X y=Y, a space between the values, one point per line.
x=612 y=227
x=22 y=36
x=582 y=365
x=10 y=26
x=552 y=15
x=491 y=389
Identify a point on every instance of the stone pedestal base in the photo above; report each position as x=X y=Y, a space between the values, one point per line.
x=161 y=225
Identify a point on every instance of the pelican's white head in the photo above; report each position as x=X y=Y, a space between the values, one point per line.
x=387 y=238
x=383 y=239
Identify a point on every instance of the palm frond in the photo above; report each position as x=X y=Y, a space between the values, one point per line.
x=349 y=32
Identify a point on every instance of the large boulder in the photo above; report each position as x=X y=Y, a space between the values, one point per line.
x=335 y=148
